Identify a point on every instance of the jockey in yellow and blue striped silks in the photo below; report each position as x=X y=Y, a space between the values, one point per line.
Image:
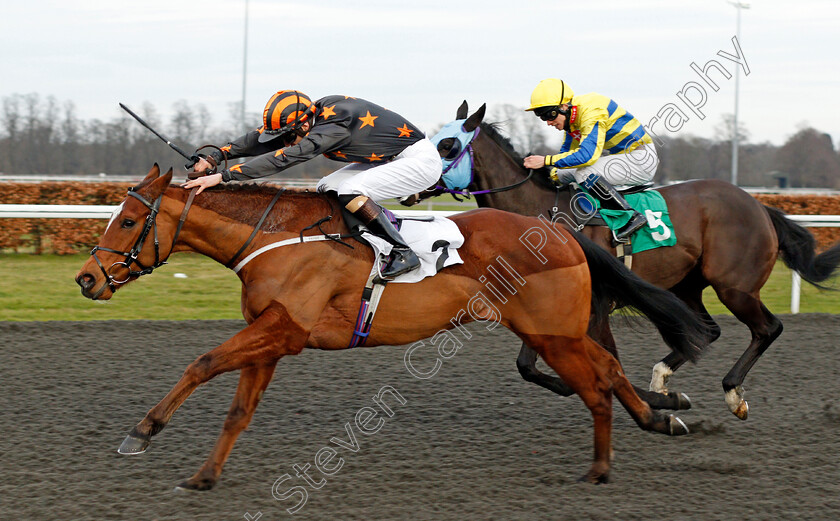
x=604 y=145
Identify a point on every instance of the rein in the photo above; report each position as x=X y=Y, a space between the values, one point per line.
x=466 y=193
x=131 y=256
x=229 y=263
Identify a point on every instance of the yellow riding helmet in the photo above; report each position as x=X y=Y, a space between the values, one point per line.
x=550 y=93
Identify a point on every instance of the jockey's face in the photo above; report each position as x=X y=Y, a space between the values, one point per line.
x=305 y=128
x=559 y=121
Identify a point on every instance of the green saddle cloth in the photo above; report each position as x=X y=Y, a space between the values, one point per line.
x=650 y=203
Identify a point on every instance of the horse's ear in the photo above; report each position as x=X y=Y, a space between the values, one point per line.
x=154 y=173
x=474 y=121
x=158 y=186
x=462 y=111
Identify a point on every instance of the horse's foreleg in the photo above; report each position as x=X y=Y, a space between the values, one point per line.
x=690 y=292
x=252 y=383
x=272 y=335
x=601 y=333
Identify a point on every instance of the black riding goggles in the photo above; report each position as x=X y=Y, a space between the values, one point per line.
x=286 y=135
x=548 y=113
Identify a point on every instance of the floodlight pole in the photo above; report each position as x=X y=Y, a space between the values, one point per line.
x=244 y=69
x=735 y=136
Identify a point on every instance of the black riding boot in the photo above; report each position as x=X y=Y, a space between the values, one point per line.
x=403 y=258
x=612 y=200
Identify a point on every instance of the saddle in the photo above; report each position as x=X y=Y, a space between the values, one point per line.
x=583 y=207
x=435 y=240
x=585 y=214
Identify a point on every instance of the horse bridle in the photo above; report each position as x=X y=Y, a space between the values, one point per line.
x=468 y=149
x=131 y=256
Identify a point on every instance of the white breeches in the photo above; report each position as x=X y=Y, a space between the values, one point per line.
x=416 y=168
x=630 y=169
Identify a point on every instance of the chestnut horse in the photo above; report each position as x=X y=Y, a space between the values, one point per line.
x=725 y=239
x=307 y=294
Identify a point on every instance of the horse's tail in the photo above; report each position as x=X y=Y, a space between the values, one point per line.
x=613 y=284
x=797 y=246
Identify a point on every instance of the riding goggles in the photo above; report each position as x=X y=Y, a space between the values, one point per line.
x=548 y=113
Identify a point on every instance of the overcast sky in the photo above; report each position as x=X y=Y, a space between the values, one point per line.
x=423 y=58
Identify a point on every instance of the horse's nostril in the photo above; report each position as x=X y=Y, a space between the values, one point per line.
x=85 y=280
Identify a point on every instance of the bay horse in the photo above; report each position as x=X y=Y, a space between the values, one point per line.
x=306 y=295
x=725 y=239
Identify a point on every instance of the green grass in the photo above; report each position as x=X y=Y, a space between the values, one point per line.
x=442 y=203
x=41 y=287
x=776 y=296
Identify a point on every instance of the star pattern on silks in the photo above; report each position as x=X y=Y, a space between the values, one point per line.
x=373 y=157
x=327 y=112
x=339 y=154
x=404 y=131
x=367 y=120
x=280 y=153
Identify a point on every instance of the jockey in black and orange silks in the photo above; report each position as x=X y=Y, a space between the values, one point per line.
x=389 y=157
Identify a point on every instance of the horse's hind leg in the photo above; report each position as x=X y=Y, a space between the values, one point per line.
x=765 y=328
x=603 y=336
x=526 y=362
x=645 y=417
x=689 y=291
x=568 y=357
x=252 y=383
x=271 y=336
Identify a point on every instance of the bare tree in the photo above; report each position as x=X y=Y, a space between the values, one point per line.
x=809 y=159
x=42 y=136
x=527 y=134
x=725 y=130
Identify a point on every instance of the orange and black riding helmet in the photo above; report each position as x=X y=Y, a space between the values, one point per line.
x=284 y=114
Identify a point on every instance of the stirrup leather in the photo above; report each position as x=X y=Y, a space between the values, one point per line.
x=402 y=259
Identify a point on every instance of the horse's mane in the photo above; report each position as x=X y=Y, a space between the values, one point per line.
x=246 y=203
x=492 y=131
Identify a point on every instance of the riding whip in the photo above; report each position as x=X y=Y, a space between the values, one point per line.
x=193 y=159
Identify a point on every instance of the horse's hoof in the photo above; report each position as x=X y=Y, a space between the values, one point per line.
x=595 y=478
x=677 y=426
x=683 y=402
x=134 y=445
x=737 y=405
x=742 y=411
x=192 y=485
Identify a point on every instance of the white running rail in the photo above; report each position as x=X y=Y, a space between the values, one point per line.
x=67 y=211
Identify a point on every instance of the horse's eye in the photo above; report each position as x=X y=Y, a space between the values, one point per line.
x=449 y=148
x=454 y=151
x=127 y=223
